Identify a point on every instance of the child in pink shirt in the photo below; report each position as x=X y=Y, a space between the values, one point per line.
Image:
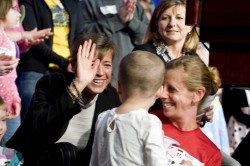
x=9 y=18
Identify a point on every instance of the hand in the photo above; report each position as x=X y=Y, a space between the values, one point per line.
x=35 y=37
x=208 y=116
x=127 y=10
x=186 y=163
x=7 y=64
x=86 y=65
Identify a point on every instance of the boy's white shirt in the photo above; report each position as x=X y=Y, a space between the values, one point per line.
x=136 y=139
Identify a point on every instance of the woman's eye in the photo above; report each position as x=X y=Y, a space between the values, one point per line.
x=108 y=65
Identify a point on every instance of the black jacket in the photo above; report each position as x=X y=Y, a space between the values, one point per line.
x=39 y=15
x=49 y=114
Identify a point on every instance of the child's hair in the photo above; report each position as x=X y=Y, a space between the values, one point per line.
x=141 y=72
x=2 y=104
x=5 y=6
x=196 y=74
x=103 y=44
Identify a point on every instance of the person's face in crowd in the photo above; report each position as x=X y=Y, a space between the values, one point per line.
x=13 y=16
x=3 y=127
x=176 y=98
x=171 y=25
x=103 y=75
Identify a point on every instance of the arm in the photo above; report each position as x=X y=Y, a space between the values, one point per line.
x=27 y=39
x=153 y=137
x=7 y=64
x=52 y=106
x=95 y=21
x=138 y=25
x=203 y=53
x=238 y=104
x=214 y=158
x=31 y=21
x=30 y=36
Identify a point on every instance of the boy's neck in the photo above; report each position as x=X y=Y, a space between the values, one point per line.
x=133 y=105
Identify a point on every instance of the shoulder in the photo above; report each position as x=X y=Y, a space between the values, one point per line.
x=105 y=114
x=108 y=99
x=149 y=121
x=58 y=80
x=105 y=117
x=206 y=143
x=109 y=94
x=146 y=47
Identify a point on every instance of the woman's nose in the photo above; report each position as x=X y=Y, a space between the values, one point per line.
x=100 y=69
x=164 y=94
x=172 y=21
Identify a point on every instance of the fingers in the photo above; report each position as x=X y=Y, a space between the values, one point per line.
x=127 y=10
x=7 y=66
x=96 y=64
x=87 y=50
x=4 y=57
x=92 y=51
x=88 y=47
x=209 y=113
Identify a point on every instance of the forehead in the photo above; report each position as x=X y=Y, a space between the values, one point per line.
x=174 y=77
x=104 y=55
x=175 y=10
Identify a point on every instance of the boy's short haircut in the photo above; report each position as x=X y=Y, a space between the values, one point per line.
x=141 y=72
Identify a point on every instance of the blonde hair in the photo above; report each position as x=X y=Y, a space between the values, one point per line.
x=141 y=72
x=2 y=105
x=196 y=74
x=151 y=35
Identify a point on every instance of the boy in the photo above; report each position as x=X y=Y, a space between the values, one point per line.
x=128 y=135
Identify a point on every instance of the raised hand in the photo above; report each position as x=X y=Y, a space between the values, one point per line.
x=86 y=65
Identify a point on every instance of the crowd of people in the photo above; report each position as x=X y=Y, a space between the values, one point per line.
x=103 y=83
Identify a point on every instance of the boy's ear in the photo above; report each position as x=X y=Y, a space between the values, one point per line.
x=159 y=92
x=118 y=87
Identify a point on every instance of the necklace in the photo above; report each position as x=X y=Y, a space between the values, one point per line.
x=162 y=50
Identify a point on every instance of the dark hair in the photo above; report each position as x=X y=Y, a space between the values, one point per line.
x=103 y=44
